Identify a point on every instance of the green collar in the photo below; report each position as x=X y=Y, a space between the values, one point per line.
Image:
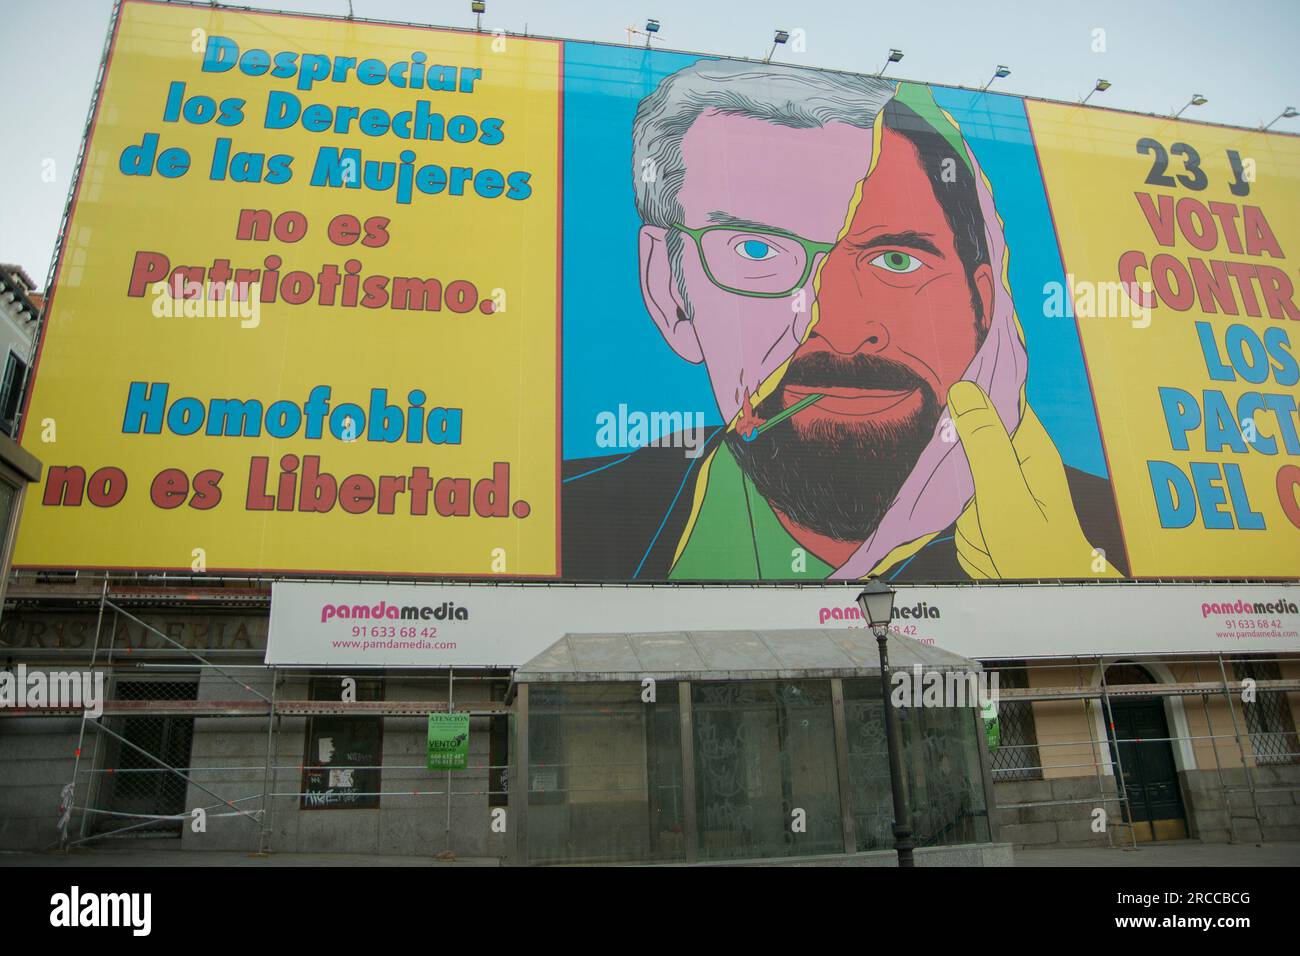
x=737 y=536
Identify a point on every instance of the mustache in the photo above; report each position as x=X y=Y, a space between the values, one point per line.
x=831 y=370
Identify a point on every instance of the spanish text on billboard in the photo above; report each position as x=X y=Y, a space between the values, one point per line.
x=386 y=300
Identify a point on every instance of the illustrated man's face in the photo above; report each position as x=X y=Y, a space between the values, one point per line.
x=899 y=322
x=755 y=178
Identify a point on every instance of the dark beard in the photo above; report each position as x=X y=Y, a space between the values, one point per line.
x=837 y=478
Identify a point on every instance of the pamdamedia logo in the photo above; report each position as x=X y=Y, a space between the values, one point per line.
x=851 y=612
x=1280 y=606
x=446 y=611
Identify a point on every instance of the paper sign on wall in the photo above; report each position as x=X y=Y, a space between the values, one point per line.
x=448 y=741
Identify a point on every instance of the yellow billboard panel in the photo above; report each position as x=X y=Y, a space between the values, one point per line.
x=1181 y=245
x=309 y=290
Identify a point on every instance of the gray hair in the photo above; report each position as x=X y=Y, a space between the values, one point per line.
x=796 y=97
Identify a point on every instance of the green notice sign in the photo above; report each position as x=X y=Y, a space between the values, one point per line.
x=992 y=726
x=448 y=741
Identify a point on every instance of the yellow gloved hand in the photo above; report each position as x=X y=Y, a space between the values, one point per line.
x=1022 y=522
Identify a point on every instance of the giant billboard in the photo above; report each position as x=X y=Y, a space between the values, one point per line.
x=356 y=298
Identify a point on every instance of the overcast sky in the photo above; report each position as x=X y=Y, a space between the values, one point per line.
x=1241 y=56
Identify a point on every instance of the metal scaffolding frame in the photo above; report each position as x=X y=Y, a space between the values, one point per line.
x=254 y=704
x=150 y=591
x=1104 y=693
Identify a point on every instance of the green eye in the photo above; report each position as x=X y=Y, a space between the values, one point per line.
x=896 y=262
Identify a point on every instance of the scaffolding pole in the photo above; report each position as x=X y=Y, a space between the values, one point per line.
x=1245 y=763
x=1119 y=760
x=81 y=733
x=1105 y=693
x=1218 y=764
x=264 y=836
x=1096 y=763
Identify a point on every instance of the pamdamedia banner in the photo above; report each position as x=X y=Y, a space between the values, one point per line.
x=364 y=298
x=336 y=623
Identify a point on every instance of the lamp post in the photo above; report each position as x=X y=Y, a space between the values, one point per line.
x=1101 y=87
x=1196 y=100
x=778 y=38
x=1001 y=73
x=877 y=604
x=895 y=56
x=1288 y=113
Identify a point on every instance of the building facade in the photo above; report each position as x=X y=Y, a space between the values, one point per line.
x=474 y=344
x=1204 y=744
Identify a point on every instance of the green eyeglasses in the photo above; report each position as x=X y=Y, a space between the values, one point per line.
x=763 y=263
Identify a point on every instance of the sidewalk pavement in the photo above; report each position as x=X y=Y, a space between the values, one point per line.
x=1181 y=853
x=103 y=856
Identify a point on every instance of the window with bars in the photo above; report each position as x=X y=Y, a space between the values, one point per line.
x=11 y=393
x=1268 y=718
x=1016 y=754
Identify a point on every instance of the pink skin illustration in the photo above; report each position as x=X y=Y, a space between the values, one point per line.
x=749 y=173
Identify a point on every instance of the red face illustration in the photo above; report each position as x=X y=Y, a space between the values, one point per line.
x=898 y=323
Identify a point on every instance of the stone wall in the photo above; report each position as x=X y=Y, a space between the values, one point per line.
x=1279 y=807
x=1059 y=823
x=36 y=758
x=412 y=816
x=1069 y=825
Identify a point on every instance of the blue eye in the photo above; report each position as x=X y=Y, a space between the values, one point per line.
x=755 y=249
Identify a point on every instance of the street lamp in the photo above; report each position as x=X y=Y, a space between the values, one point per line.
x=1101 y=87
x=779 y=38
x=877 y=604
x=1287 y=113
x=1196 y=100
x=478 y=8
x=1000 y=73
x=894 y=57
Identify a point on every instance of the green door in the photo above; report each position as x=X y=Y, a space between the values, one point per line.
x=1150 y=774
